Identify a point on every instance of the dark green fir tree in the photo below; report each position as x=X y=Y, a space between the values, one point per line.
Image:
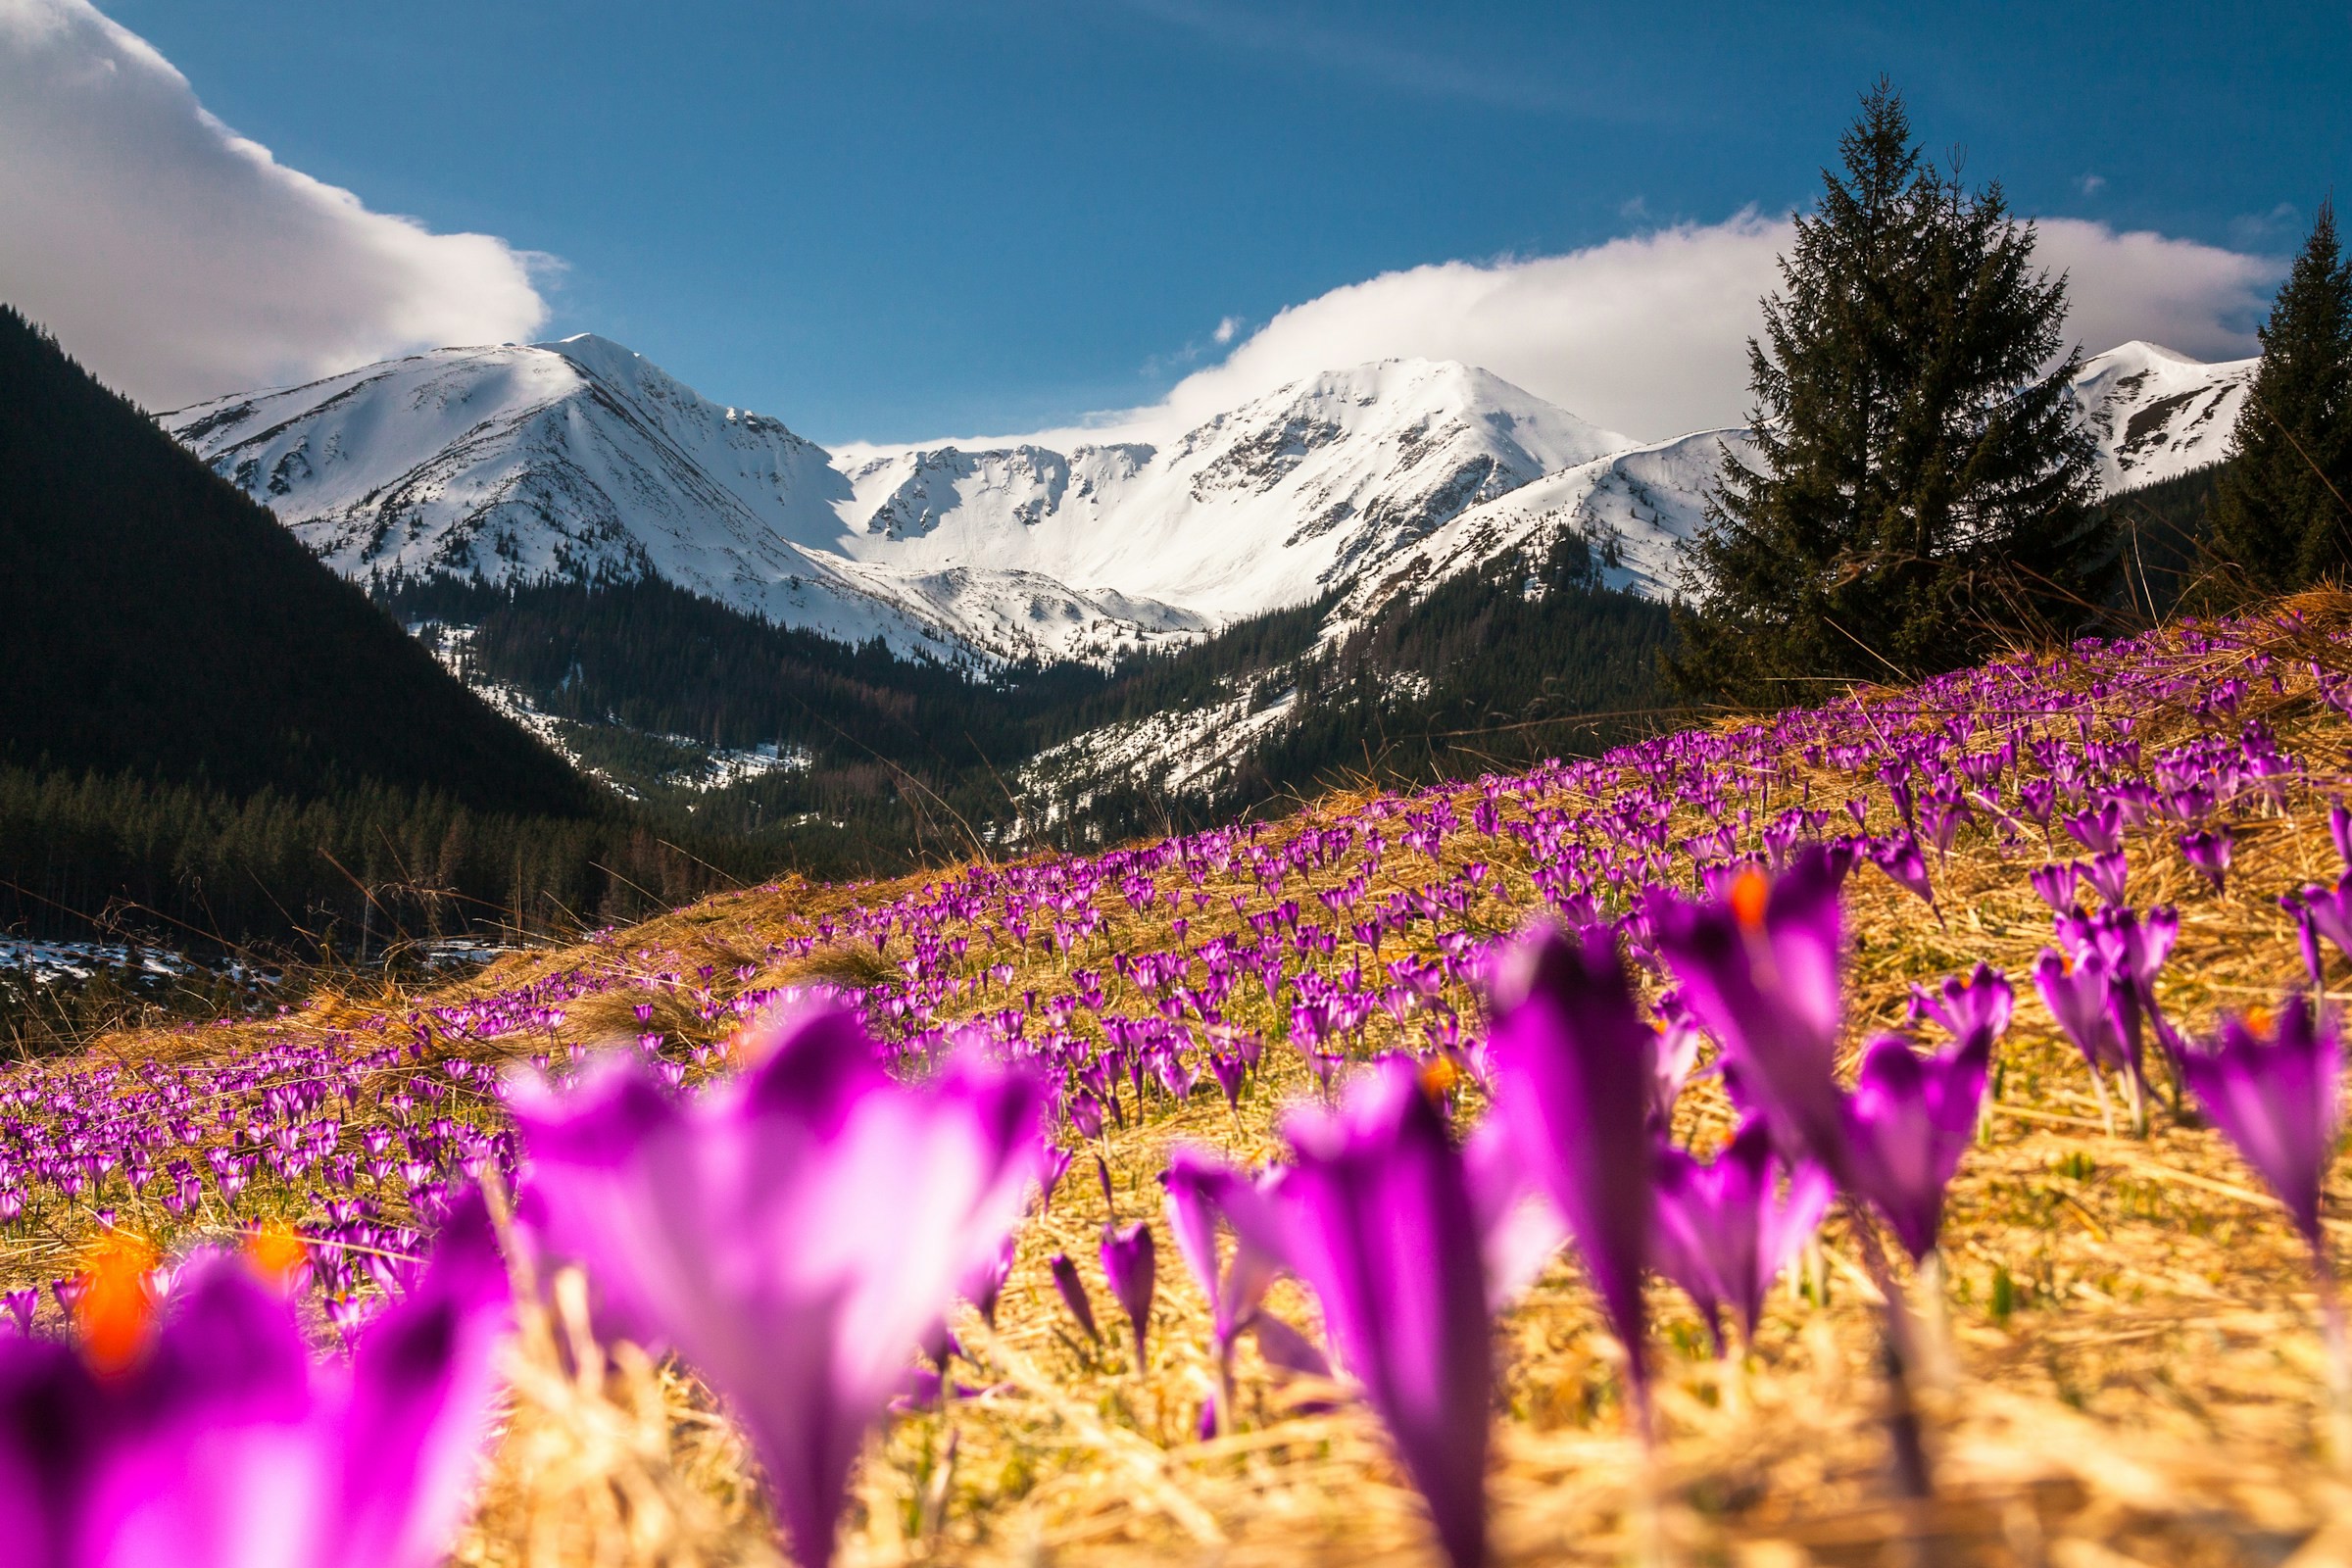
x=2281 y=517
x=1920 y=490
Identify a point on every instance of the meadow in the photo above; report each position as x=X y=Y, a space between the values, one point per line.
x=1521 y=1337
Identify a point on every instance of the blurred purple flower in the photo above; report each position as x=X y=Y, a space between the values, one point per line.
x=1901 y=859
x=227 y=1447
x=1726 y=1230
x=1130 y=1261
x=1981 y=999
x=1909 y=1120
x=1202 y=1189
x=2055 y=883
x=2098 y=830
x=2108 y=874
x=793 y=1233
x=1073 y=1294
x=2273 y=1085
x=1575 y=1076
x=1759 y=969
x=2208 y=851
x=2322 y=912
x=1379 y=1220
x=1519 y=1228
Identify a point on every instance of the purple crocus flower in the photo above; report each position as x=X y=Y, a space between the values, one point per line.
x=227 y=1447
x=1519 y=1229
x=1378 y=1218
x=984 y=1288
x=1899 y=858
x=1979 y=1000
x=2208 y=851
x=2322 y=912
x=1131 y=1263
x=1726 y=1229
x=1201 y=1189
x=2273 y=1086
x=1759 y=969
x=2108 y=873
x=793 y=1233
x=1575 y=1075
x=2083 y=995
x=2055 y=884
x=2099 y=830
x=1909 y=1120
x=1204 y=1190
x=1073 y=1294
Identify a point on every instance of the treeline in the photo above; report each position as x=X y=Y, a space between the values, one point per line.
x=1529 y=657
x=657 y=658
x=334 y=877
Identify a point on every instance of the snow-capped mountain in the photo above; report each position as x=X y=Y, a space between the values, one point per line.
x=2159 y=415
x=580 y=459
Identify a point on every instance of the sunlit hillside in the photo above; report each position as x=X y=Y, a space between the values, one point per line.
x=2116 y=1346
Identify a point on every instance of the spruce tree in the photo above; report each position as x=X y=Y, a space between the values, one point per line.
x=1920 y=485
x=2280 y=517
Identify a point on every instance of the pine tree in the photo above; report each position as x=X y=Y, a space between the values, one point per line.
x=1919 y=484
x=2280 y=519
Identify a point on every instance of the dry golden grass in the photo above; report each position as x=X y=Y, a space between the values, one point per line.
x=2135 y=1373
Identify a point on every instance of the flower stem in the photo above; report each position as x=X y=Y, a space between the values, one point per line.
x=2340 y=1359
x=1900 y=1356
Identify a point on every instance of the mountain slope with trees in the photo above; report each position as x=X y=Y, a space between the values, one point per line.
x=153 y=618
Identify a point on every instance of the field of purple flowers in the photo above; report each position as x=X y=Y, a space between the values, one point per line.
x=1904 y=1126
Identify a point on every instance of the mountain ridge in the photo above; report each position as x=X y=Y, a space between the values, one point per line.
x=580 y=460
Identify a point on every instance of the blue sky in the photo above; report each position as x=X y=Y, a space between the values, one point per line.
x=893 y=219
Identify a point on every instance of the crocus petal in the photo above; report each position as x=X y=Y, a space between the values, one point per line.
x=1574 y=1068
x=421 y=1386
x=217 y=1457
x=794 y=1234
x=1381 y=1227
x=1908 y=1123
x=1759 y=969
x=1131 y=1263
x=2278 y=1099
x=1519 y=1228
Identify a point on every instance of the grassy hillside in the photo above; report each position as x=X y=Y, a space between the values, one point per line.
x=2125 y=1368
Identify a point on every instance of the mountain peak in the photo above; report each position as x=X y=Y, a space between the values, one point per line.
x=580 y=459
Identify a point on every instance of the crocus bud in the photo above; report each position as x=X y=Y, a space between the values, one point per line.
x=1130 y=1264
x=1073 y=1294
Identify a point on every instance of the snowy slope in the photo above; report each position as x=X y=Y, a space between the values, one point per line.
x=1302 y=490
x=580 y=459
x=2158 y=413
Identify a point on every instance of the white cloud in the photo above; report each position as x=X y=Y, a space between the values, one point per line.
x=1227 y=329
x=1648 y=334
x=178 y=260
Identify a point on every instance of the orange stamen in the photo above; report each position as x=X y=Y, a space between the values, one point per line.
x=1441 y=1077
x=1749 y=891
x=115 y=1314
x=2260 y=1023
x=274 y=1251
